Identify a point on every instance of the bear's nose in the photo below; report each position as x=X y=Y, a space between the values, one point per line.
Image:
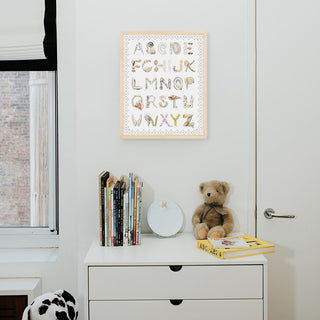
x=208 y=194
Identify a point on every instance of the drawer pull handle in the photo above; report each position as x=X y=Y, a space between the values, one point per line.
x=175 y=268
x=176 y=302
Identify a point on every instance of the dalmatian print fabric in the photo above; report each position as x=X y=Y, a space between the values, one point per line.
x=58 y=305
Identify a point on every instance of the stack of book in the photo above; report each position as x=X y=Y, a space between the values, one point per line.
x=120 y=204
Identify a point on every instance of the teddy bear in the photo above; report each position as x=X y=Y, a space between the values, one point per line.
x=211 y=219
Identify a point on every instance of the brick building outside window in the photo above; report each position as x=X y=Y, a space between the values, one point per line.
x=14 y=149
x=27 y=150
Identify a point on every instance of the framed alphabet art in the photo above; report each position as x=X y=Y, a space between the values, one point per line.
x=163 y=84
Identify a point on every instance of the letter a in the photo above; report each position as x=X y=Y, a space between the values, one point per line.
x=138 y=47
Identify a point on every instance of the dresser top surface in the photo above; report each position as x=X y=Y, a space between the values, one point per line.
x=179 y=250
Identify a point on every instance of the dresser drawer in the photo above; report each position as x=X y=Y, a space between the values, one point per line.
x=191 y=282
x=187 y=310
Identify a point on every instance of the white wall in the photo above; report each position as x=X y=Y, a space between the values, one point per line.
x=89 y=140
x=170 y=168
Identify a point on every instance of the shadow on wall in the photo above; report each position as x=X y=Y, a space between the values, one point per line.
x=234 y=213
x=148 y=198
x=281 y=293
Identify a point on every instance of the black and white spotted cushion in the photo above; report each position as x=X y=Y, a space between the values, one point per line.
x=58 y=305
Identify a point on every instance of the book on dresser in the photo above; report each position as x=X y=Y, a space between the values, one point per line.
x=120 y=213
x=120 y=209
x=110 y=183
x=116 y=197
x=103 y=177
x=230 y=249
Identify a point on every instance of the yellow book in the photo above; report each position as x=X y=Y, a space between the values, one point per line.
x=256 y=246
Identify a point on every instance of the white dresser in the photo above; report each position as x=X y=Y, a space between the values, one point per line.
x=170 y=279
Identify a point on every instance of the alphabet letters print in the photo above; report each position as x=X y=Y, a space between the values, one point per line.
x=163 y=84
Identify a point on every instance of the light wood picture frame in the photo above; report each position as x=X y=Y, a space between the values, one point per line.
x=163 y=84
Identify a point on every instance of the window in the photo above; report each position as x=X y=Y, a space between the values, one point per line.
x=28 y=159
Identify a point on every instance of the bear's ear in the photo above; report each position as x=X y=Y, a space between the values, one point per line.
x=201 y=187
x=225 y=187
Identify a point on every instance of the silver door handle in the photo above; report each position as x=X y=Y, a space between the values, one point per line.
x=269 y=214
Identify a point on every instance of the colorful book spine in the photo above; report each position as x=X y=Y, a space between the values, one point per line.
x=125 y=219
x=120 y=214
x=109 y=230
x=140 y=212
x=131 y=212
x=135 y=213
x=129 y=207
x=100 y=207
x=115 y=213
x=106 y=217
x=103 y=176
x=109 y=217
x=112 y=215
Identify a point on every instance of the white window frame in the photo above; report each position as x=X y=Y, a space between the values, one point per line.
x=41 y=237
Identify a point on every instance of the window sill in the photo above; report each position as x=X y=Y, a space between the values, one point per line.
x=28 y=255
x=23 y=241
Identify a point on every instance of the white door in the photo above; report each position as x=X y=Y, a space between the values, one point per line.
x=288 y=130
